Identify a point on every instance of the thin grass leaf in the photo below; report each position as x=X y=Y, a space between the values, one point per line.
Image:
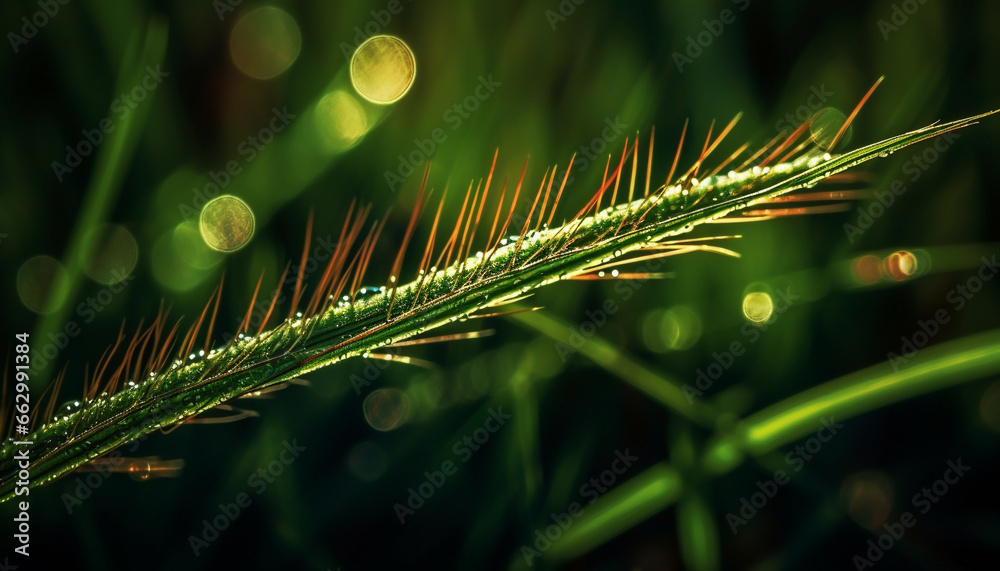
x=933 y=368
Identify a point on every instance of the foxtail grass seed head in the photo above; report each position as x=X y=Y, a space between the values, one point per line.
x=383 y=69
x=226 y=223
x=139 y=384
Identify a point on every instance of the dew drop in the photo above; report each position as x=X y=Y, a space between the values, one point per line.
x=140 y=470
x=69 y=407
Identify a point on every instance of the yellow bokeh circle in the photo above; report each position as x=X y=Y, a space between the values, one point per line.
x=383 y=69
x=226 y=223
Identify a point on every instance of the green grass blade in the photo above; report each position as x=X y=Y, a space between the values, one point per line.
x=931 y=369
x=628 y=504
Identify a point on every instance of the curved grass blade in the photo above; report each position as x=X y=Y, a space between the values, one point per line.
x=933 y=368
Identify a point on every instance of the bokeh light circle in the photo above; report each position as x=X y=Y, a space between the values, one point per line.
x=386 y=409
x=675 y=329
x=869 y=498
x=113 y=254
x=367 y=460
x=42 y=284
x=989 y=406
x=191 y=249
x=341 y=120
x=758 y=306
x=867 y=269
x=901 y=265
x=226 y=223
x=265 y=42
x=383 y=69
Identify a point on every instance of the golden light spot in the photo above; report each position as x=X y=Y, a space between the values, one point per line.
x=869 y=497
x=383 y=69
x=758 y=307
x=265 y=42
x=42 y=284
x=367 y=460
x=989 y=406
x=867 y=269
x=900 y=265
x=824 y=126
x=340 y=120
x=226 y=223
x=113 y=254
x=386 y=409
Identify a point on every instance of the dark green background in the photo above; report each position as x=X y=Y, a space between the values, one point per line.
x=606 y=60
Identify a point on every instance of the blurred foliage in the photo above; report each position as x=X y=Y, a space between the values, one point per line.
x=562 y=81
